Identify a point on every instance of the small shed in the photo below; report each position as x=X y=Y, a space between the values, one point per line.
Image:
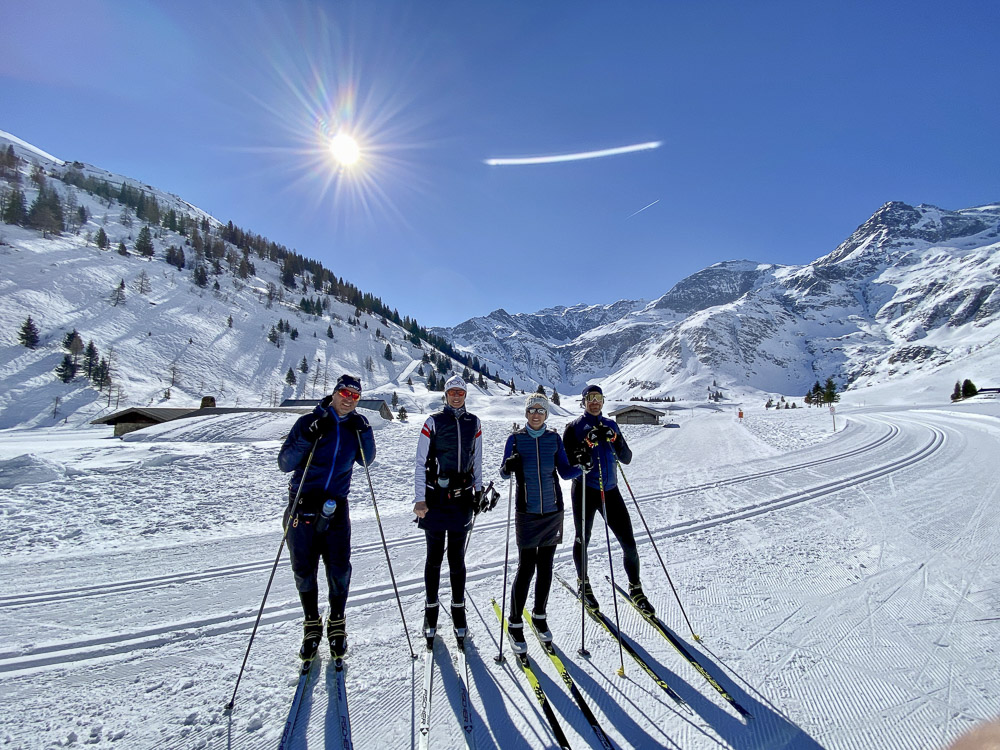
x=130 y=420
x=372 y=404
x=635 y=414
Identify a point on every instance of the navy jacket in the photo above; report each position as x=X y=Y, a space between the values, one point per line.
x=336 y=453
x=603 y=454
x=538 y=489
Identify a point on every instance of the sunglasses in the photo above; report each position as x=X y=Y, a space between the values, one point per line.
x=535 y=410
x=594 y=398
x=348 y=394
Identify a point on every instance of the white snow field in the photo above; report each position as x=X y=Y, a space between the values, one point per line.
x=845 y=585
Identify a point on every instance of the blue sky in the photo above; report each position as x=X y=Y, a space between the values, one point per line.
x=784 y=126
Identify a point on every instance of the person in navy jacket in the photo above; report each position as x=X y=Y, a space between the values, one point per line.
x=448 y=485
x=536 y=457
x=596 y=443
x=338 y=438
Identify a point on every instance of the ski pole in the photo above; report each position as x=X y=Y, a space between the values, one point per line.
x=656 y=549
x=607 y=534
x=392 y=576
x=281 y=547
x=503 y=607
x=583 y=569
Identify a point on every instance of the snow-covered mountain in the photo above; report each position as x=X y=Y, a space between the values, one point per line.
x=168 y=340
x=909 y=300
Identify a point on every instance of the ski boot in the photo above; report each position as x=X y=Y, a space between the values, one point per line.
x=430 y=623
x=541 y=627
x=639 y=599
x=583 y=586
x=336 y=634
x=515 y=631
x=312 y=634
x=458 y=622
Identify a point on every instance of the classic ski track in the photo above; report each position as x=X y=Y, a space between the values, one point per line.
x=79 y=592
x=122 y=643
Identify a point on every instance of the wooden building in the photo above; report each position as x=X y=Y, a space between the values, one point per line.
x=635 y=414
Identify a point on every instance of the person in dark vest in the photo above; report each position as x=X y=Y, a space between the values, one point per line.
x=320 y=525
x=448 y=489
x=536 y=457
x=596 y=443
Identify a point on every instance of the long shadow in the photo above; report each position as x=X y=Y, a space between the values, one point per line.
x=614 y=708
x=767 y=730
x=298 y=736
x=452 y=682
x=496 y=698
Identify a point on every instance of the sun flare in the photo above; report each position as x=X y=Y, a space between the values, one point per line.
x=345 y=149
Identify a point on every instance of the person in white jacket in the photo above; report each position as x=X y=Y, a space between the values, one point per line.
x=448 y=488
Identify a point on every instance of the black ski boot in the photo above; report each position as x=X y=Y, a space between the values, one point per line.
x=583 y=586
x=336 y=634
x=515 y=631
x=541 y=627
x=458 y=622
x=639 y=599
x=312 y=634
x=430 y=623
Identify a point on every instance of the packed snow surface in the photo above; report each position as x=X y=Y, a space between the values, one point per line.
x=845 y=586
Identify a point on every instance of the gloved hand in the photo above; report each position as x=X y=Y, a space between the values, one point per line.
x=486 y=500
x=602 y=433
x=512 y=464
x=319 y=427
x=358 y=423
x=583 y=458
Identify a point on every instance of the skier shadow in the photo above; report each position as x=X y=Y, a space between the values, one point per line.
x=334 y=735
x=495 y=700
x=768 y=729
x=452 y=682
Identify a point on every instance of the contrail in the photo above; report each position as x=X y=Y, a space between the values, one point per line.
x=643 y=209
x=517 y=161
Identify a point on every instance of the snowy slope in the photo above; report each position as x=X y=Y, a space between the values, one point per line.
x=170 y=341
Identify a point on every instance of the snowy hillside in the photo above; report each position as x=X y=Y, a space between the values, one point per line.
x=168 y=340
x=910 y=301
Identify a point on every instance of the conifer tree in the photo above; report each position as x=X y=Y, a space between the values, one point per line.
x=830 y=394
x=28 y=335
x=303 y=365
x=329 y=331
x=15 y=212
x=90 y=359
x=66 y=370
x=122 y=250
x=144 y=243
x=290 y=377
x=540 y=389
x=395 y=400
x=555 y=397
x=956 y=395
x=387 y=353
x=968 y=389
x=102 y=239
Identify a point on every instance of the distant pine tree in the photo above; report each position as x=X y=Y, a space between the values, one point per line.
x=28 y=335
x=387 y=353
x=956 y=395
x=66 y=370
x=16 y=211
x=304 y=365
x=290 y=377
x=968 y=389
x=144 y=243
x=555 y=397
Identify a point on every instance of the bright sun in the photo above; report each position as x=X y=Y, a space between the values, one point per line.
x=345 y=149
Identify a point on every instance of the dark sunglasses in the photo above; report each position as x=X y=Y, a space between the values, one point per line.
x=536 y=410
x=347 y=393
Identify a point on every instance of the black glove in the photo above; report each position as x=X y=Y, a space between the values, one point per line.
x=512 y=464
x=358 y=423
x=583 y=458
x=486 y=500
x=319 y=427
x=602 y=433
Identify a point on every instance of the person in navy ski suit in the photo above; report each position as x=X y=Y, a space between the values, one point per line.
x=596 y=443
x=448 y=479
x=536 y=457
x=336 y=435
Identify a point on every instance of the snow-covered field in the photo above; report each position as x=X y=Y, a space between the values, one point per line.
x=845 y=586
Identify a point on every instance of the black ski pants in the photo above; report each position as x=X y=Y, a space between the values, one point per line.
x=437 y=541
x=333 y=546
x=532 y=560
x=618 y=521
